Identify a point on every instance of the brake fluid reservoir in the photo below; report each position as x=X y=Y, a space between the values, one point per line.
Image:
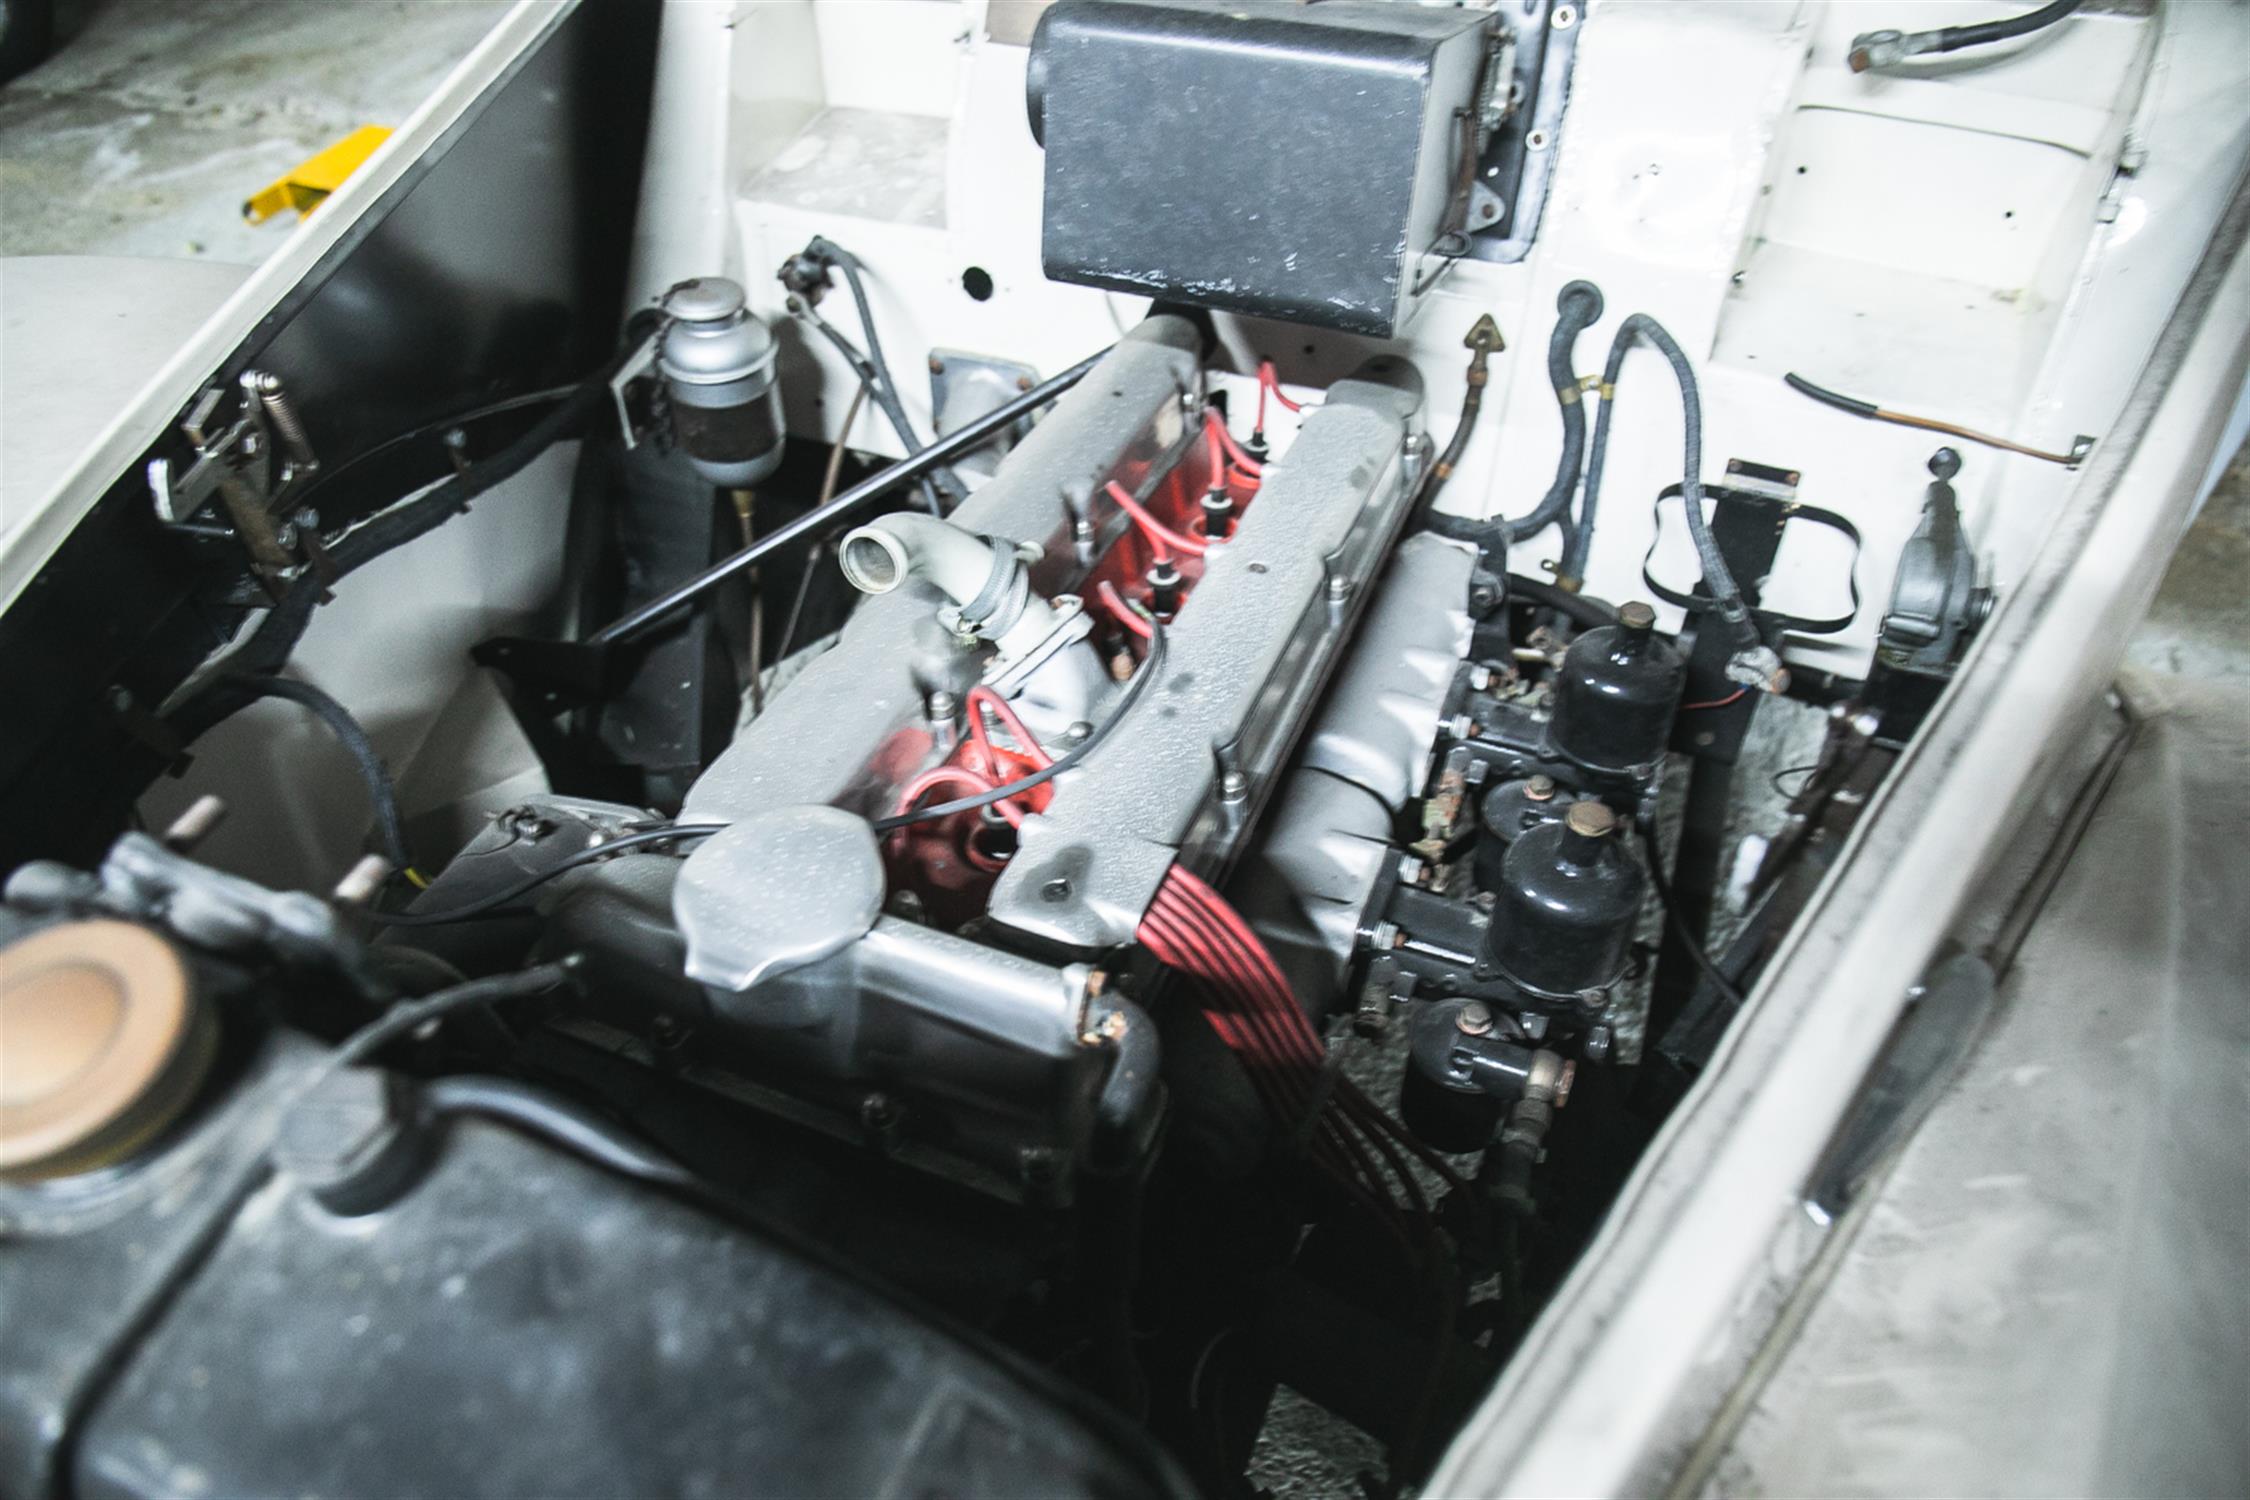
x=718 y=367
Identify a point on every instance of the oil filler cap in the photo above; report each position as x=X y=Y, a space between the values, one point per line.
x=102 y=1045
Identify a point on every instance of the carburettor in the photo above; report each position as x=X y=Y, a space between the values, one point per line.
x=1507 y=925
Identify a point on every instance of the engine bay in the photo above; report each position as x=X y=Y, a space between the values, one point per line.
x=1098 y=922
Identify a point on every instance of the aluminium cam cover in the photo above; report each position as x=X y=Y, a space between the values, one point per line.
x=849 y=729
x=1242 y=668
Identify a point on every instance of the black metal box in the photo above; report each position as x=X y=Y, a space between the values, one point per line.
x=1303 y=162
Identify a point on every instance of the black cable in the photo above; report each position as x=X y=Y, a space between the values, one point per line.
x=1583 y=609
x=377 y=777
x=325 y=480
x=275 y=638
x=567 y=1125
x=1875 y=49
x=1688 y=939
x=1983 y=33
x=1078 y=752
x=1774 y=780
x=529 y=883
x=1827 y=397
x=1718 y=579
x=410 y=1016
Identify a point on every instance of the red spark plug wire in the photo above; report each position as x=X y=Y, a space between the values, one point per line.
x=1107 y=593
x=1248 y=467
x=1160 y=535
x=1269 y=381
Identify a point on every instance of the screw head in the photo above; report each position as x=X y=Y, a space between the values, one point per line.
x=1475 y=1019
x=1234 y=786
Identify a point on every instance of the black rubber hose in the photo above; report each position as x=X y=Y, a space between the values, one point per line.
x=877 y=383
x=275 y=638
x=389 y=826
x=1581 y=609
x=1718 y=580
x=1578 y=307
x=827 y=250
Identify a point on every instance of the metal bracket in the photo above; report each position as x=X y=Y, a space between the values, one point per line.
x=250 y=465
x=1518 y=160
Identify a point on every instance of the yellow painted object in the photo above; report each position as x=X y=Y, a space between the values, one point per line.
x=304 y=186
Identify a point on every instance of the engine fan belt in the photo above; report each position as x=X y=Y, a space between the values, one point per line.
x=1791 y=510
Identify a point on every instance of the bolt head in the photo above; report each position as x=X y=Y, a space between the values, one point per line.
x=1475 y=1019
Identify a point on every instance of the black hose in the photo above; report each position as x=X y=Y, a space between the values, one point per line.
x=559 y=1121
x=1718 y=579
x=1584 y=610
x=389 y=826
x=484 y=905
x=829 y=252
x=876 y=382
x=1578 y=307
x=275 y=638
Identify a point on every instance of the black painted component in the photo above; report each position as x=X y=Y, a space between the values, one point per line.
x=1508 y=811
x=1615 y=695
x=1570 y=896
x=515 y=1320
x=1460 y=1076
x=727 y=434
x=1747 y=521
x=1349 y=143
